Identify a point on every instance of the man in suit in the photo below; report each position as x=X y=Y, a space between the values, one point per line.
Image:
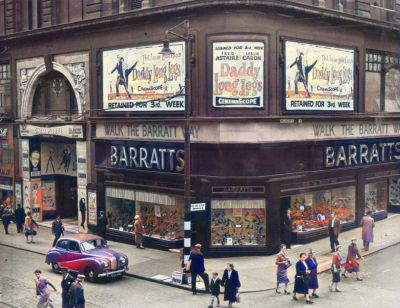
x=76 y=294
x=197 y=268
x=334 y=230
x=69 y=277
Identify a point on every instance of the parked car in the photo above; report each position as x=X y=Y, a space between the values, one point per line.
x=88 y=254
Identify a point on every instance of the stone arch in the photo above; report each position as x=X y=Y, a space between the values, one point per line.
x=27 y=96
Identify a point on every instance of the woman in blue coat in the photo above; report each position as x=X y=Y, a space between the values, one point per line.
x=230 y=281
x=313 y=278
x=301 y=278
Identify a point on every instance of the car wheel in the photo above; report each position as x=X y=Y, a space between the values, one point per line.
x=91 y=274
x=55 y=267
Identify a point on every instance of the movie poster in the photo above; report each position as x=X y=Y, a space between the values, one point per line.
x=141 y=79
x=34 y=159
x=238 y=74
x=49 y=195
x=318 y=78
x=92 y=207
x=58 y=158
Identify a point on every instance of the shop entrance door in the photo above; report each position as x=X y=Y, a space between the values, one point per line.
x=67 y=196
x=285 y=205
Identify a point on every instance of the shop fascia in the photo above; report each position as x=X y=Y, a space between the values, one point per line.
x=361 y=154
x=148 y=156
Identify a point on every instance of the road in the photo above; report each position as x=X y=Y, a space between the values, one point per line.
x=378 y=289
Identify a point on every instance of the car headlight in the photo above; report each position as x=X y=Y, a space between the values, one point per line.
x=103 y=262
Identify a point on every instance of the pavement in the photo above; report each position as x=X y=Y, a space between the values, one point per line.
x=257 y=273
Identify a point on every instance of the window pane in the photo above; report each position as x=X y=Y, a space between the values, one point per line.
x=372 y=92
x=376 y=197
x=392 y=91
x=238 y=222
x=120 y=208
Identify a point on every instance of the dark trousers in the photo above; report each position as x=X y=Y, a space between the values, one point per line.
x=366 y=245
x=287 y=237
x=65 y=301
x=20 y=227
x=334 y=241
x=56 y=237
x=83 y=215
x=203 y=276
x=6 y=223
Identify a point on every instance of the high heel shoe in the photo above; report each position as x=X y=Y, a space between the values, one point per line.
x=277 y=291
x=286 y=292
x=359 y=279
x=314 y=295
x=309 y=302
x=294 y=298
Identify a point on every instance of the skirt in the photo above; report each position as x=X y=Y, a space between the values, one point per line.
x=352 y=266
x=335 y=276
x=281 y=276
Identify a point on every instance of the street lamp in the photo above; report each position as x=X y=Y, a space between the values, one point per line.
x=188 y=38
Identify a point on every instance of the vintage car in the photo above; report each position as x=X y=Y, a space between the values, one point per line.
x=88 y=254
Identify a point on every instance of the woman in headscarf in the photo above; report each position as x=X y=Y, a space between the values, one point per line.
x=352 y=265
x=313 y=277
x=282 y=265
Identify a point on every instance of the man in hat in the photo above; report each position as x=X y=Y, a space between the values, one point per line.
x=138 y=228
x=196 y=260
x=102 y=223
x=76 y=294
x=69 y=277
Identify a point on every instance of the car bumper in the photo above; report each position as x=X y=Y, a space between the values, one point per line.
x=113 y=273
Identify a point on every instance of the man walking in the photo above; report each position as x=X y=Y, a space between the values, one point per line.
x=196 y=260
x=57 y=229
x=69 y=277
x=82 y=209
x=102 y=223
x=19 y=218
x=138 y=228
x=76 y=294
x=334 y=230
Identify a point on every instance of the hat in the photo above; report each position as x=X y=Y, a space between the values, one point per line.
x=197 y=245
x=80 y=277
x=137 y=217
x=353 y=238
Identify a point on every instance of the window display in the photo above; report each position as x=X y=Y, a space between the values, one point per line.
x=238 y=222
x=394 y=191
x=312 y=210
x=120 y=208
x=162 y=215
x=376 y=197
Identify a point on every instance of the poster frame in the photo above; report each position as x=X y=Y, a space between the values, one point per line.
x=282 y=70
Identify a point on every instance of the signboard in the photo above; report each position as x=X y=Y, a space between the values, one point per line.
x=58 y=158
x=148 y=156
x=49 y=195
x=238 y=189
x=92 y=207
x=18 y=194
x=238 y=74
x=68 y=131
x=318 y=77
x=81 y=162
x=350 y=153
x=141 y=79
x=194 y=207
x=34 y=159
x=177 y=277
x=3 y=132
x=25 y=159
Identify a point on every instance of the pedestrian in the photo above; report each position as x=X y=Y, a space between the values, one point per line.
x=282 y=264
x=30 y=227
x=57 y=228
x=76 y=294
x=368 y=225
x=334 y=230
x=138 y=228
x=215 y=287
x=42 y=290
x=231 y=282
x=313 y=277
x=287 y=228
x=69 y=277
x=102 y=223
x=6 y=217
x=335 y=268
x=352 y=265
x=301 y=278
x=196 y=267
x=82 y=209
x=19 y=218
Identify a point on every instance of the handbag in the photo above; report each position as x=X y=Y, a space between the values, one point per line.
x=187 y=266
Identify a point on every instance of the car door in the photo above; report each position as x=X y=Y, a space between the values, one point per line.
x=61 y=250
x=73 y=257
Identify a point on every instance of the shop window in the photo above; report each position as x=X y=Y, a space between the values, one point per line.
x=382 y=77
x=6 y=154
x=394 y=191
x=162 y=215
x=312 y=210
x=238 y=222
x=120 y=208
x=376 y=195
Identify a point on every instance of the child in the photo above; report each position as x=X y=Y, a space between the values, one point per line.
x=215 y=289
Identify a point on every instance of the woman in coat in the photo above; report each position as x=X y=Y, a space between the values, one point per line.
x=313 y=278
x=368 y=225
x=351 y=261
x=230 y=280
x=282 y=264
x=301 y=278
x=335 y=268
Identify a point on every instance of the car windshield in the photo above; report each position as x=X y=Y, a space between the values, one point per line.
x=92 y=244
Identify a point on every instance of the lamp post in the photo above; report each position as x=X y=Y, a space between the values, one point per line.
x=188 y=38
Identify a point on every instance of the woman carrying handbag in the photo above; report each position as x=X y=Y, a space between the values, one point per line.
x=30 y=226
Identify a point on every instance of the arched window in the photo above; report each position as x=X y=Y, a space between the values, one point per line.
x=54 y=96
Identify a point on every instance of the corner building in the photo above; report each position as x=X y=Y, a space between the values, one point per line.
x=294 y=104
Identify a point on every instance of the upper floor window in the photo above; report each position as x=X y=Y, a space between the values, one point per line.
x=4 y=71
x=382 y=82
x=120 y=6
